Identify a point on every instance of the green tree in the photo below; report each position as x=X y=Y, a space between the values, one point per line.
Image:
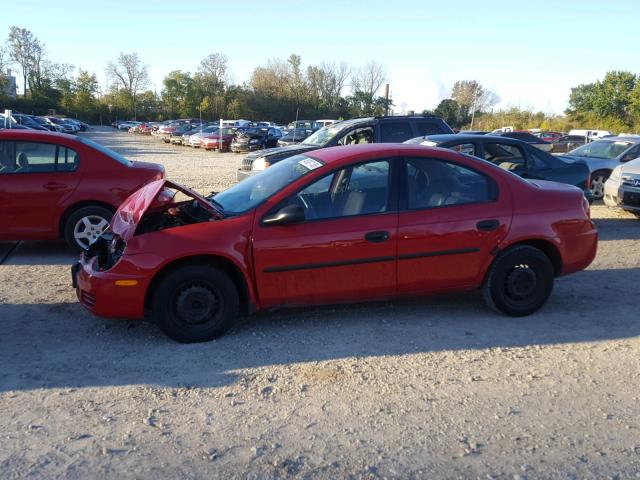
x=450 y=111
x=131 y=74
x=613 y=95
x=22 y=45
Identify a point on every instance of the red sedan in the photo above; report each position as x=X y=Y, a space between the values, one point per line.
x=343 y=224
x=212 y=141
x=54 y=185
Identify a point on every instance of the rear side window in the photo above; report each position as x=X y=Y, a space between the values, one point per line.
x=36 y=157
x=395 y=132
x=466 y=148
x=503 y=154
x=436 y=183
x=537 y=160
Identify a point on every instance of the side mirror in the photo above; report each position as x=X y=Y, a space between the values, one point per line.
x=628 y=157
x=285 y=216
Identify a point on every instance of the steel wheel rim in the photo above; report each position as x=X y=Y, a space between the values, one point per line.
x=88 y=229
x=521 y=283
x=197 y=303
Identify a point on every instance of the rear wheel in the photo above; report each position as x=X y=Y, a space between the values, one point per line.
x=85 y=225
x=597 y=184
x=519 y=282
x=195 y=303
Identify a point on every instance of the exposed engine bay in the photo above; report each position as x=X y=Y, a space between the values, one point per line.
x=150 y=209
x=175 y=215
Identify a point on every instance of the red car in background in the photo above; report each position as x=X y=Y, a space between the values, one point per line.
x=212 y=141
x=548 y=136
x=340 y=224
x=55 y=185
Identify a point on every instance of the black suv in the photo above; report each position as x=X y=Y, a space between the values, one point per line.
x=348 y=132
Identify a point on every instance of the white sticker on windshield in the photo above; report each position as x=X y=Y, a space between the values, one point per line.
x=310 y=163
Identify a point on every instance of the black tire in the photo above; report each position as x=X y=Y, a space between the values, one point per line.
x=92 y=212
x=597 y=183
x=195 y=303
x=519 y=281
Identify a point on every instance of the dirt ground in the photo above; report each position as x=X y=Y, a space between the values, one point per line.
x=433 y=388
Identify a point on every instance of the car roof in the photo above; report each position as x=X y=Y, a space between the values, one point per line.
x=35 y=135
x=457 y=137
x=346 y=154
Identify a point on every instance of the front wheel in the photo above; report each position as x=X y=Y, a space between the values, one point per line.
x=597 y=184
x=519 y=281
x=195 y=303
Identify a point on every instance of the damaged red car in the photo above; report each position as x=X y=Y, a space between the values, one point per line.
x=343 y=224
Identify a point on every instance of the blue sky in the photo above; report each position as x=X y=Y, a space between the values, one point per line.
x=530 y=54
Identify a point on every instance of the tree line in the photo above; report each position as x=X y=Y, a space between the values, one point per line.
x=280 y=90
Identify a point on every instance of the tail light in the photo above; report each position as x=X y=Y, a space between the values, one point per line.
x=586 y=207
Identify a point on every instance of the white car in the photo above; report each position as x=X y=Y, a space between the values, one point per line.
x=622 y=188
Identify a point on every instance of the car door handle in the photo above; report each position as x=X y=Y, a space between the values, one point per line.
x=377 y=237
x=54 y=186
x=488 y=225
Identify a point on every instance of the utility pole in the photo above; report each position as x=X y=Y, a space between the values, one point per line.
x=386 y=100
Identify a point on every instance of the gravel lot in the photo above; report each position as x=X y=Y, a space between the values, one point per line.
x=435 y=388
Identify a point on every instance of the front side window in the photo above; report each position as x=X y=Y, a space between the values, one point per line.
x=436 y=183
x=357 y=136
x=356 y=190
x=35 y=157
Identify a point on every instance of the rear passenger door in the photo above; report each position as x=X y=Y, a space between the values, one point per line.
x=450 y=219
x=35 y=179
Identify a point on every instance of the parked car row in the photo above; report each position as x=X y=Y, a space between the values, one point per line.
x=50 y=123
x=236 y=136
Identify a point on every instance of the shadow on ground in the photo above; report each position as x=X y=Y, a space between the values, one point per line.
x=61 y=345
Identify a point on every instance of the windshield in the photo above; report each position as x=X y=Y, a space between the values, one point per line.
x=323 y=136
x=255 y=131
x=107 y=151
x=601 y=149
x=252 y=191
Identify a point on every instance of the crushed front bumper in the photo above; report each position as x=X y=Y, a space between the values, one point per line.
x=116 y=293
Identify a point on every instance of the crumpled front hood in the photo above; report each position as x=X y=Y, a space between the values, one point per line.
x=128 y=216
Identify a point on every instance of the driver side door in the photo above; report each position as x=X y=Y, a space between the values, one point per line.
x=344 y=250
